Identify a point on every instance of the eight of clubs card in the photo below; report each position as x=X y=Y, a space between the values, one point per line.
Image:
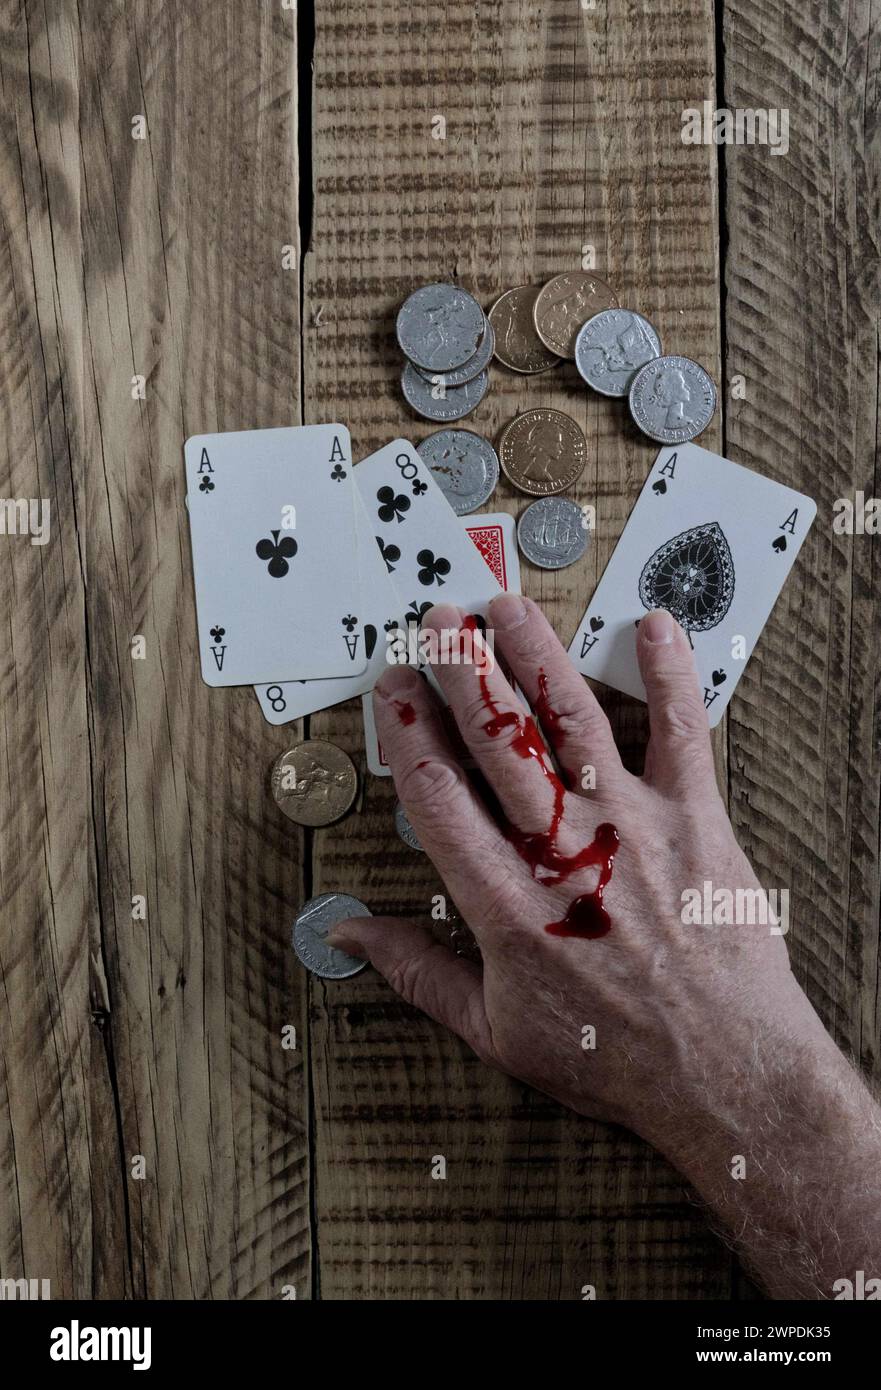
x=429 y=557
x=494 y=536
x=712 y=543
x=274 y=559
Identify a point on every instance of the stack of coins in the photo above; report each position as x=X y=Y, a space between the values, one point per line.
x=617 y=352
x=448 y=342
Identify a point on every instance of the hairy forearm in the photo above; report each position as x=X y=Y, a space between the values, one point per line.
x=782 y=1140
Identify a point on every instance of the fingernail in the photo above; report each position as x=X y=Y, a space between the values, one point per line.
x=508 y=610
x=395 y=680
x=443 y=617
x=345 y=943
x=658 y=627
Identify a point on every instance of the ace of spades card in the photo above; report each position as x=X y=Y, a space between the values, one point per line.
x=710 y=541
x=272 y=525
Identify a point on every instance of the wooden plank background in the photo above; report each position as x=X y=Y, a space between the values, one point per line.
x=266 y=1170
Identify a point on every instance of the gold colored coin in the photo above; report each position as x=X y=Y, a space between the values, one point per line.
x=518 y=346
x=542 y=452
x=314 y=783
x=565 y=304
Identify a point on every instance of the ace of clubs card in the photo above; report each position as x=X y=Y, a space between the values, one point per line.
x=272 y=525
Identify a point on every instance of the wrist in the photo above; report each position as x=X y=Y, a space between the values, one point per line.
x=777 y=1136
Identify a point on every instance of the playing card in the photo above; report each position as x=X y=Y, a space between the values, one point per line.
x=430 y=558
x=272 y=530
x=380 y=614
x=494 y=535
x=711 y=542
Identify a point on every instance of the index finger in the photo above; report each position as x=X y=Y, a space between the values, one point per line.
x=453 y=825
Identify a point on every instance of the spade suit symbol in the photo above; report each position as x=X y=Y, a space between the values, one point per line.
x=660 y=487
x=780 y=544
x=692 y=577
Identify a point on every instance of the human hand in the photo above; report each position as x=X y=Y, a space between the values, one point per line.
x=669 y=1003
x=702 y=1041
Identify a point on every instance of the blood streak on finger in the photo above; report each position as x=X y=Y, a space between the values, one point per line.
x=586 y=915
x=406 y=712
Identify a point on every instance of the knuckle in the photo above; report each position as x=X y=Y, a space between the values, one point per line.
x=580 y=723
x=474 y=713
x=475 y=719
x=683 y=717
x=436 y=798
x=405 y=973
x=426 y=784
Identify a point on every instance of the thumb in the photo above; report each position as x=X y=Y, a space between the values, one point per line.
x=423 y=972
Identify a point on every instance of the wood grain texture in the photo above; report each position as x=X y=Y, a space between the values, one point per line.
x=562 y=131
x=803 y=279
x=61 y=1213
x=185 y=284
x=161 y=258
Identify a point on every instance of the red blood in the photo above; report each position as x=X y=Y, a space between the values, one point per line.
x=586 y=916
x=406 y=712
x=547 y=716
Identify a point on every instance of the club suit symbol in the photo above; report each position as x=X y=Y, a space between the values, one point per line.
x=218 y=651
x=417 y=611
x=277 y=553
x=392 y=505
x=432 y=568
x=390 y=553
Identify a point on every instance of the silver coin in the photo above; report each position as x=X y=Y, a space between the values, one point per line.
x=438 y=403
x=612 y=346
x=317 y=919
x=405 y=829
x=439 y=327
x=552 y=533
x=465 y=467
x=470 y=369
x=672 y=399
